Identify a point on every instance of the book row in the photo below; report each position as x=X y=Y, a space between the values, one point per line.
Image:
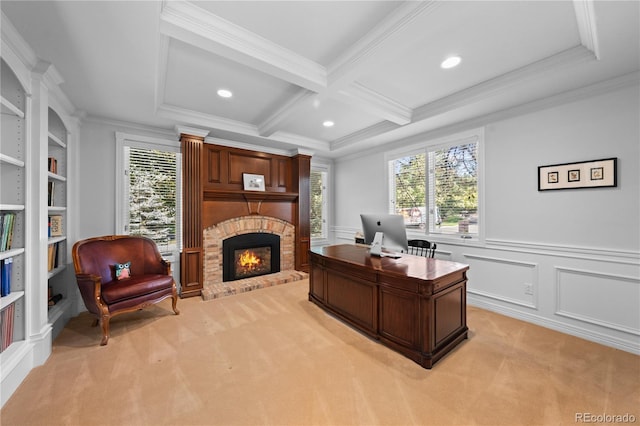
x=7 y=222
x=6 y=326
x=6 y=266
x=53 y=254
x=53 y=165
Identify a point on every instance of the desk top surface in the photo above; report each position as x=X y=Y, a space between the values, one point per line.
x=406 y=265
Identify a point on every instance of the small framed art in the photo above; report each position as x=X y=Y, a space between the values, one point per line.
x=253 y=182
x=583 y=174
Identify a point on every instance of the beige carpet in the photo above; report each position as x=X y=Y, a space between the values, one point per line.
x=270 y=357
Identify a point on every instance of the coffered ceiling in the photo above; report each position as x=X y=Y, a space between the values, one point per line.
x=371 y=67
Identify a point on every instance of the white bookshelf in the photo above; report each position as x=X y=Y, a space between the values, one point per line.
x=57 y=149
x=13 y=172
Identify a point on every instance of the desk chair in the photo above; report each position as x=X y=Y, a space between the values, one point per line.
x=422 y=248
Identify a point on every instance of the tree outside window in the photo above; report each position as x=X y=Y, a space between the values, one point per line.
x=437 y=189
x=318 y=204
x=152 y=196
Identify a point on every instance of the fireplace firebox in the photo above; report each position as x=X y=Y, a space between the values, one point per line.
x=250 y=255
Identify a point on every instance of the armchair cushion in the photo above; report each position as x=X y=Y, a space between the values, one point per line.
x=119 y=290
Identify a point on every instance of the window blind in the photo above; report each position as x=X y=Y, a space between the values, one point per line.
x=152 y=178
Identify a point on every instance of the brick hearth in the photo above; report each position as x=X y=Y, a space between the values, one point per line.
x=214 y=287
x=229 y=288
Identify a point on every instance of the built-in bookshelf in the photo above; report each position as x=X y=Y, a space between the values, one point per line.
x=38 y=123
x=56 y=219
x=13 y=210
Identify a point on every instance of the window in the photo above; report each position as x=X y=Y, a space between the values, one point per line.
x=435 y=187
x=148 y=193
x=318 y=183
x=151 y=176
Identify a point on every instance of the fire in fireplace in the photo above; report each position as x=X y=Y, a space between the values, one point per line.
x=250 y=255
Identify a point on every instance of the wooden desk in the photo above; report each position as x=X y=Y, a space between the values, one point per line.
x=414 y=305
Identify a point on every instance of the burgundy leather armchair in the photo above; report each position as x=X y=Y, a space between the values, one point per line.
x=149 y=277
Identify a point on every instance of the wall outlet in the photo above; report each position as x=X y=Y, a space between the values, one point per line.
x=528 y=288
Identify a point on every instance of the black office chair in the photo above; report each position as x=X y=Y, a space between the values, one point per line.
x=422 y=248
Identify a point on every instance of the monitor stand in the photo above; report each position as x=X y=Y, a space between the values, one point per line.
x=376 y=245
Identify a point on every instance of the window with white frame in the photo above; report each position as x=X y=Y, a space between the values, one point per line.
x=318 y=215
x=435 y=187
x=149 y=191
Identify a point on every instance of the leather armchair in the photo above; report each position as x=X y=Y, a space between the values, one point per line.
x=104 y=295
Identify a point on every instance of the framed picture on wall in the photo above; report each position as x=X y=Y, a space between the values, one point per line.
x=253 y=182
x=583 y=174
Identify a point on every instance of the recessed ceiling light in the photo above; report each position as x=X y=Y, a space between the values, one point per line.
x=328 y=123
x=450 y=62
x=224 y=93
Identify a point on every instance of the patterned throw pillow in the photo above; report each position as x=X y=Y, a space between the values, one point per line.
x=123 y=270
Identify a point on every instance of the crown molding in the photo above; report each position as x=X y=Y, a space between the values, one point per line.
x=186 y=130
x=163 y=133
x=188 y=22
x=255 y=147
x=196 y=118
x=49 y=75
x=586 y=19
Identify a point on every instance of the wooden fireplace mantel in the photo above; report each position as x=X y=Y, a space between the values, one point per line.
x=214 y=192
x=221 y=195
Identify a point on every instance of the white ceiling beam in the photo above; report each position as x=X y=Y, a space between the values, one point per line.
x=502 y=83
x=376 y=104
x=361 y=135
x=201 y=120
x=586 y=17
x=269 y=125
x=191 y=24
x=356 y=61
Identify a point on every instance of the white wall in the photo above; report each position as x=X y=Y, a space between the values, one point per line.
x=97 y=168
x=578 y=249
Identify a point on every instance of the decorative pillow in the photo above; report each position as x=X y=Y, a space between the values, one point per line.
x=123 y=270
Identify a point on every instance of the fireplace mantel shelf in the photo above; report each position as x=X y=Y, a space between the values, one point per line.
x=231 y=195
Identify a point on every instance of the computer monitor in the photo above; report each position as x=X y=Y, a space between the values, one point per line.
x=392 y=227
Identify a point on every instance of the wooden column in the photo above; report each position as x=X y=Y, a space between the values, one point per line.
x=191 y=258
x=301 y=178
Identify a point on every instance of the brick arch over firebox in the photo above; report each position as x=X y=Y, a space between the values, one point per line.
x=215 y=235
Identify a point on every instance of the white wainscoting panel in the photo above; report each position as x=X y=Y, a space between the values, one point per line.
x=606 y=300
x=503 y=279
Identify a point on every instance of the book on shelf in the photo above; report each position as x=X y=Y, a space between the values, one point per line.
x=7 y=224
x=55 y=226
x=53 y=165
x=51 y=256
x=6 y=266
x=6 y=326
x=50 y=189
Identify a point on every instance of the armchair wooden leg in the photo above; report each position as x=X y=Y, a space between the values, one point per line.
x=174 y=302
x=104 y=322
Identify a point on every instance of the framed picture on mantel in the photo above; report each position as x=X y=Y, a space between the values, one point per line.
x=584 y=174
x=253 y=182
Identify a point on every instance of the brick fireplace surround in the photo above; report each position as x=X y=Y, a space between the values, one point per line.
x=214 y=287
